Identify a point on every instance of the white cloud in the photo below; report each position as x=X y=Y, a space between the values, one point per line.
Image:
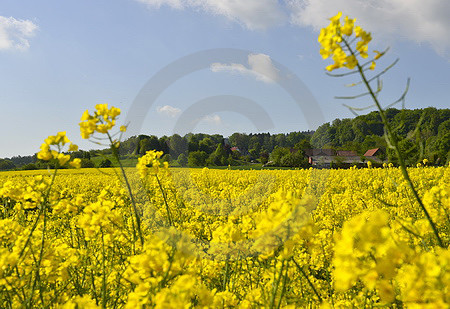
x=253 y=14
x=416 y=20
x=176 y=4
x=14 y=33
x=262 y=64
x=213 y=119
x=168 y=110
x=260 y=67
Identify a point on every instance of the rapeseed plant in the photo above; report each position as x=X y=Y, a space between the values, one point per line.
x=223 y=238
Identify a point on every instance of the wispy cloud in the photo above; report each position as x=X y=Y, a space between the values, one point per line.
x=415 y=20
x=260 y=66
x=15 y=33
x=252 y=14
x=168 y=110
x=213 y=119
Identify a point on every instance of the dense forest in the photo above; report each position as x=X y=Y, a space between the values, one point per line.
x=424 y=133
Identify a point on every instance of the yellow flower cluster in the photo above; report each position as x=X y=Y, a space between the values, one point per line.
x=59 y=140
x=150 y=160
x=103 y=120
x=336 y=41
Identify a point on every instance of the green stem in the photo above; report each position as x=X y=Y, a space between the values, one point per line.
x=283 y=287
x=394 y=142
x=43 y=211
x=275 y=285
x=165 y=278
x=169 y=216
x=104 y=300
x=225 y=277
x=136 y=214
x=307 y=279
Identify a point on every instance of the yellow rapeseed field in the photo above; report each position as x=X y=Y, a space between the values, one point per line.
x=223 y=238
x=156 y=237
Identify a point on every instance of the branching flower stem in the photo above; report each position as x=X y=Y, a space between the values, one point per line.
x=394 y=142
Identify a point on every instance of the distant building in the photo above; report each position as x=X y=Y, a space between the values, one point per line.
x=319 y=152
x=372 y=152
x=373 y=155
x=326 y=158
x=346 y=153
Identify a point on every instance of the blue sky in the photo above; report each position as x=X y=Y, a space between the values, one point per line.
x=59 y=58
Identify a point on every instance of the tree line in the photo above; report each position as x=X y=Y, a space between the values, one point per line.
x=424 y=133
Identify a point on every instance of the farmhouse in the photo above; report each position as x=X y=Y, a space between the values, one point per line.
x=326 y=158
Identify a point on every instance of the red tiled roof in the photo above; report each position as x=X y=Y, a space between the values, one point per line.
x=371 y=152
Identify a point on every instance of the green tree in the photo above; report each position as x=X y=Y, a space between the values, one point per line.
x=323 y=136
x=164 y=143
x=303 y=144
x=219 y=157
x=277 y=154
x=144 y=146
x=264 y=157
x=197 y=158
x=149 y=143
x=177 y=145
x=192 y=143
x=254 y=154
x=295 y=137
x=443 y=147
x=29 y=166
x=182 y=159
x=86 y=163
x=240 y=140
x=294 y=159
x=206 y=145
x=6 y=165
x=167 y=158
x=105 y=163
